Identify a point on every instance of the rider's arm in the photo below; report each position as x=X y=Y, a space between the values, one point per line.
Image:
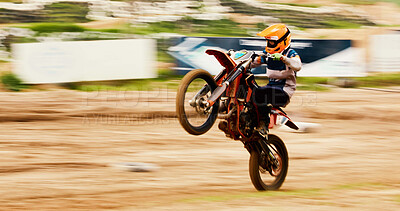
x=293 y=63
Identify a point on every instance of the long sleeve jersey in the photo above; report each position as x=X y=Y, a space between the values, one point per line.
x=282 y=74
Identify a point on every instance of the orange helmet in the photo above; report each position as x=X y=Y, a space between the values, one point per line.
x=278 y=38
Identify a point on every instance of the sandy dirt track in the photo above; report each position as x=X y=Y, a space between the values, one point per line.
x=59 y=148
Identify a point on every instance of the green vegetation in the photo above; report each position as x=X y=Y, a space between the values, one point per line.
x=157 y=27
x=312 y=83
x=13 y=1
x=341 y=24
x=167 y=80
x=373 y=80
x=397 y=199
x=366 y=2
x=359 y=186
x=289 y=193
x=297 y=5
x=12 y=82
x=224 y=27
x=55 y=27
x=358 y=2
x=379 y=80
x=109 y=30
x=131 y=85
x=313 y=87
x=66 y=12
x=299 y=193
x=193 y=27
x=312 y=80
x=62 y=12
x=162 y=56
x=394 y=1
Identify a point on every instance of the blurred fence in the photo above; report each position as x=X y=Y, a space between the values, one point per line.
x=72 y=61
x=321 y=58
x=59 y=62
x=385 y=53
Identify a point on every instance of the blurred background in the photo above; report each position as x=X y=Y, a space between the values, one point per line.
x=88 y=86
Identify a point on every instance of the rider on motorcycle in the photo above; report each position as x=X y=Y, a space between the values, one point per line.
x=282 y=66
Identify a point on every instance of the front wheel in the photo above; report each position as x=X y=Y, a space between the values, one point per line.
x=192 y=109
x=268 y=172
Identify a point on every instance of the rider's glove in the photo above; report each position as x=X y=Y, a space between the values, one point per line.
x=257 y=62
x=277 y=57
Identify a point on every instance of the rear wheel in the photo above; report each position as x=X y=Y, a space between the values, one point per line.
x=191 y=102
x=269 y=172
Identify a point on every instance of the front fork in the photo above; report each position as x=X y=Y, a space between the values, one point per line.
x=218 y=78
x=267 y=150
x=194 y=101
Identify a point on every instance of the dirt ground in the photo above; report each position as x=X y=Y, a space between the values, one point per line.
x=60 y=148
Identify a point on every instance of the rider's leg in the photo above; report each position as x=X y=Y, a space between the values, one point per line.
x=263 y=96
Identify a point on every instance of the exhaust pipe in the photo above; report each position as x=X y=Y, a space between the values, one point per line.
x=226 y=116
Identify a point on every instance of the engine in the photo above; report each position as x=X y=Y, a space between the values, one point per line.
x=247 y=121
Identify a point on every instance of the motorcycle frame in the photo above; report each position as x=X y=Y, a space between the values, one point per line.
x=235 y=72
x=229 y=81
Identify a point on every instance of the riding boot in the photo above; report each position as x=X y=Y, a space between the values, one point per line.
x=264 y=119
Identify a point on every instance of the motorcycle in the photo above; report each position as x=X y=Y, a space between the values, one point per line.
x=202 y=99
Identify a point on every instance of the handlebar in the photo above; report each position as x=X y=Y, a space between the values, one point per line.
x=229 y=52
x=254 y=56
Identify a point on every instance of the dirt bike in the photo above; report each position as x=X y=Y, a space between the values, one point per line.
x=202 y=98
